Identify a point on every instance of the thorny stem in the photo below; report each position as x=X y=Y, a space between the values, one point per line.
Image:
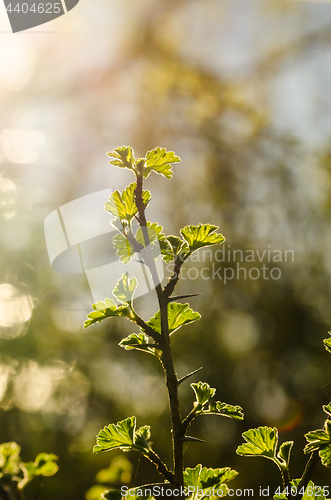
x=167 y=361
x=161 y=467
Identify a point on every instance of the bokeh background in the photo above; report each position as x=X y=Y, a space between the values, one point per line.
x=241 y=91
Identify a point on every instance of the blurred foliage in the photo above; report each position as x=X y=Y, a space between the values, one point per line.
x=240 y=91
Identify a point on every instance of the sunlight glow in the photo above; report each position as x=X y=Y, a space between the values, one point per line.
x=22 y=146
x=15 y=310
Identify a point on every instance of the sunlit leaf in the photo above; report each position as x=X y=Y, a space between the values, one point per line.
x=178 y=315
x=138 y=338
x=261 y=441
x=327 y=343
x=327 y=409
x=174 y=247
x=159 y=160
x=10 y=457
x=124 y=436
x=125 y=288
x=122 y=157
x=203 y=479
x=201 y=236
x=44 y=465
x=225 y=410
x=316 y=440
x=95 y=492
x=118 y=472
x=112 y=495
x=284 y=452
x=123 y=205
x=125 y=250
x=106 y=309
x=203 y=392
x=325 y=455
x=155 y=237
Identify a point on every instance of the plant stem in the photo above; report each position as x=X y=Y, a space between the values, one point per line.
x=167 y=361
x=309 y=469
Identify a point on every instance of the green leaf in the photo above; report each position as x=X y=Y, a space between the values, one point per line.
x=124 y=436
x=123 y=205
x=178 y=315
x=203 y=392
x=118 y=472
x=95 y=493
x=203 y=479
x=174 y=247
x=316 y=440
x=112 y=495
x=159 y=160
x=325 y=455
x=155 y=237
x=141 y=339
x=327 y=409
x=122 y=157
x=284 y=452
x=44 y=465
x=327 y=343
x=125 y=288
x=124 y=249
x=261 y=441
x=201 y=236
x=106 y=309
x=224 y=409
x=10 y=458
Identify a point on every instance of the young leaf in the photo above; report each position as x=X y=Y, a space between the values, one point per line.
x=327 y=343
x=173 y=247
x=159 y=160
x=261 y=441
x=112 y=495
x=320 y=440
x=123 y=205
x=10 y=457
x=201 y=479
x=125 y=288
x=125 y=250
x=327 y=409
x=106 y=309
x=316 y=440
x=201 y=236
x=178 y=315
x=44 y=465
x=225 y=410
x=124 y=436
x=284 y=452
x=203 y=392
x=95 y=492
x=122 y=157
x=138 y=338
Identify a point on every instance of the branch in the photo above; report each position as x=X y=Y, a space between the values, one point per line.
x=150 y=332
x=161 y=467
x=309 y=469
x=189 y=419
x=167 y=361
